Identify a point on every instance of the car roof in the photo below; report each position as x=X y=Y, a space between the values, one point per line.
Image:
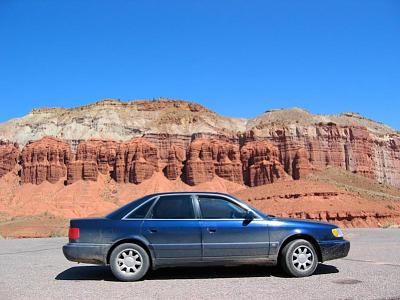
x=189 y=193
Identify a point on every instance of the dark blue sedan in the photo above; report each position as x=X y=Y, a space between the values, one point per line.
x=187 y=229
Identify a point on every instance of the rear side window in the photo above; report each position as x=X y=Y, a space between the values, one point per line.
x=173 y=207
x=119 y=213
x=141 y=211
x=219 y=208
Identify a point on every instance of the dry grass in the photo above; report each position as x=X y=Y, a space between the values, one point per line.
x=365 y=187
x=44 y=225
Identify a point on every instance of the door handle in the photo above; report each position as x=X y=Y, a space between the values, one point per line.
x=152 y=230
x=211 y=230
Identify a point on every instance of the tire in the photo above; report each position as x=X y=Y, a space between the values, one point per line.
x=299 y=258
x=129 y=262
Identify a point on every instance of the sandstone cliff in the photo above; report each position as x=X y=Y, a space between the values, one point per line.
x=9 y=153
x=136 y=161
x=208 y=158
x=303 y=142
x=261 y=163
x=92 y=157
x=176 y=157
x=44 y=160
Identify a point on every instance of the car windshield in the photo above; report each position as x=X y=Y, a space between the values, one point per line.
x=123 y=210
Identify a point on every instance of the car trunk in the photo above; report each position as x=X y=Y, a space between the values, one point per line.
x=90 y=230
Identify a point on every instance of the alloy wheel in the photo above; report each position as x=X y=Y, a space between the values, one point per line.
x=129 y=261
x=302 y=258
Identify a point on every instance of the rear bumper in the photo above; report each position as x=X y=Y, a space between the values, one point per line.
x=334 y=249
x=86 y=253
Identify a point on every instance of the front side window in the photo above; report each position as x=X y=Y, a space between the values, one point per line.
x=219 y=208
x=141 y=211
x=173 y=207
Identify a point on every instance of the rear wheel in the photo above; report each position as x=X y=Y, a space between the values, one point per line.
x=129 y=262
x=299 y=258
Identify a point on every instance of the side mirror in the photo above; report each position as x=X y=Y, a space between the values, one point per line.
x=249 y=215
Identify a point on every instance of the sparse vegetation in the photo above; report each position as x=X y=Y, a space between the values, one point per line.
x=390 y=225
x=358 y=184
x=43 y=225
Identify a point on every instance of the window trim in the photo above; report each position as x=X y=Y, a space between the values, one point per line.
x=226 y=198
x=149 y=213
x=133 y=210
x=196 y=207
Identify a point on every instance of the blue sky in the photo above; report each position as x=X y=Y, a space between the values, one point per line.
x=239 y=58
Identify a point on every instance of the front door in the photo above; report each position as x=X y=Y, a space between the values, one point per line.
x=172 y=228
x=225 y=232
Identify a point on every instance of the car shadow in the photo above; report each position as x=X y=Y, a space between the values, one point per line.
x=104 y=272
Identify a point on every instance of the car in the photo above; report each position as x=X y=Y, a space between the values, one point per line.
x=200 y=228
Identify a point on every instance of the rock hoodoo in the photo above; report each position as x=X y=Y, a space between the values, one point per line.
x=176 y=156
x=301 y=165
x=9 y=153
x=207 y=158
x=261 y=163
x=92 y=157
x=136 y=160
x=44 y=160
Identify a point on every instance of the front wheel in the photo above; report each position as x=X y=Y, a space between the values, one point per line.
x=299 y=258
x=129 y=262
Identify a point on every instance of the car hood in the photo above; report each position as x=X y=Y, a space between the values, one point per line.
x=302 y=221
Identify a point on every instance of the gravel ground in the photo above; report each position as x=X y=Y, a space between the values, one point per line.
x=37 y=269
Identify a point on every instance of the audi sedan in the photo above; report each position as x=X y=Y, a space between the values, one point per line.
x=187 y=229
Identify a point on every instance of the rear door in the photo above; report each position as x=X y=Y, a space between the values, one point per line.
x=225 y=232
x=172 y=228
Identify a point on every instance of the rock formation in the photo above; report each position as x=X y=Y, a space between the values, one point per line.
x=207 y=158
x=261 y=163
x=92 y=157
x=303 y=141
x=9 y=153
x=301 y=165
x=44 y=160
x=136 y=160
x=176 y=156
x=228 y=164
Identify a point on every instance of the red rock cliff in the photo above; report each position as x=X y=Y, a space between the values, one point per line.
x=264 y=154
x=261 y=163
x=207 y=158
x=44 y=160
x=136 y=161
x=176 y=156
x=348 y=147
x=92 y=157
x=9 y=153
x=347 y=140
x=261 y=160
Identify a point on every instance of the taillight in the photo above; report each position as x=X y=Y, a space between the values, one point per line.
x=73 y=233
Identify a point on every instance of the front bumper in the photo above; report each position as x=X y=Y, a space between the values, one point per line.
x=334 y=249
x=86 y=253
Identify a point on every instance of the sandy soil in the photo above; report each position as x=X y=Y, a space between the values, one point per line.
x=345 y=199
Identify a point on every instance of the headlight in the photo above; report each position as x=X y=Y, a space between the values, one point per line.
x=337 y=232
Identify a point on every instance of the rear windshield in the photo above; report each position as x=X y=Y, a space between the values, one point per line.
x=123 y=210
